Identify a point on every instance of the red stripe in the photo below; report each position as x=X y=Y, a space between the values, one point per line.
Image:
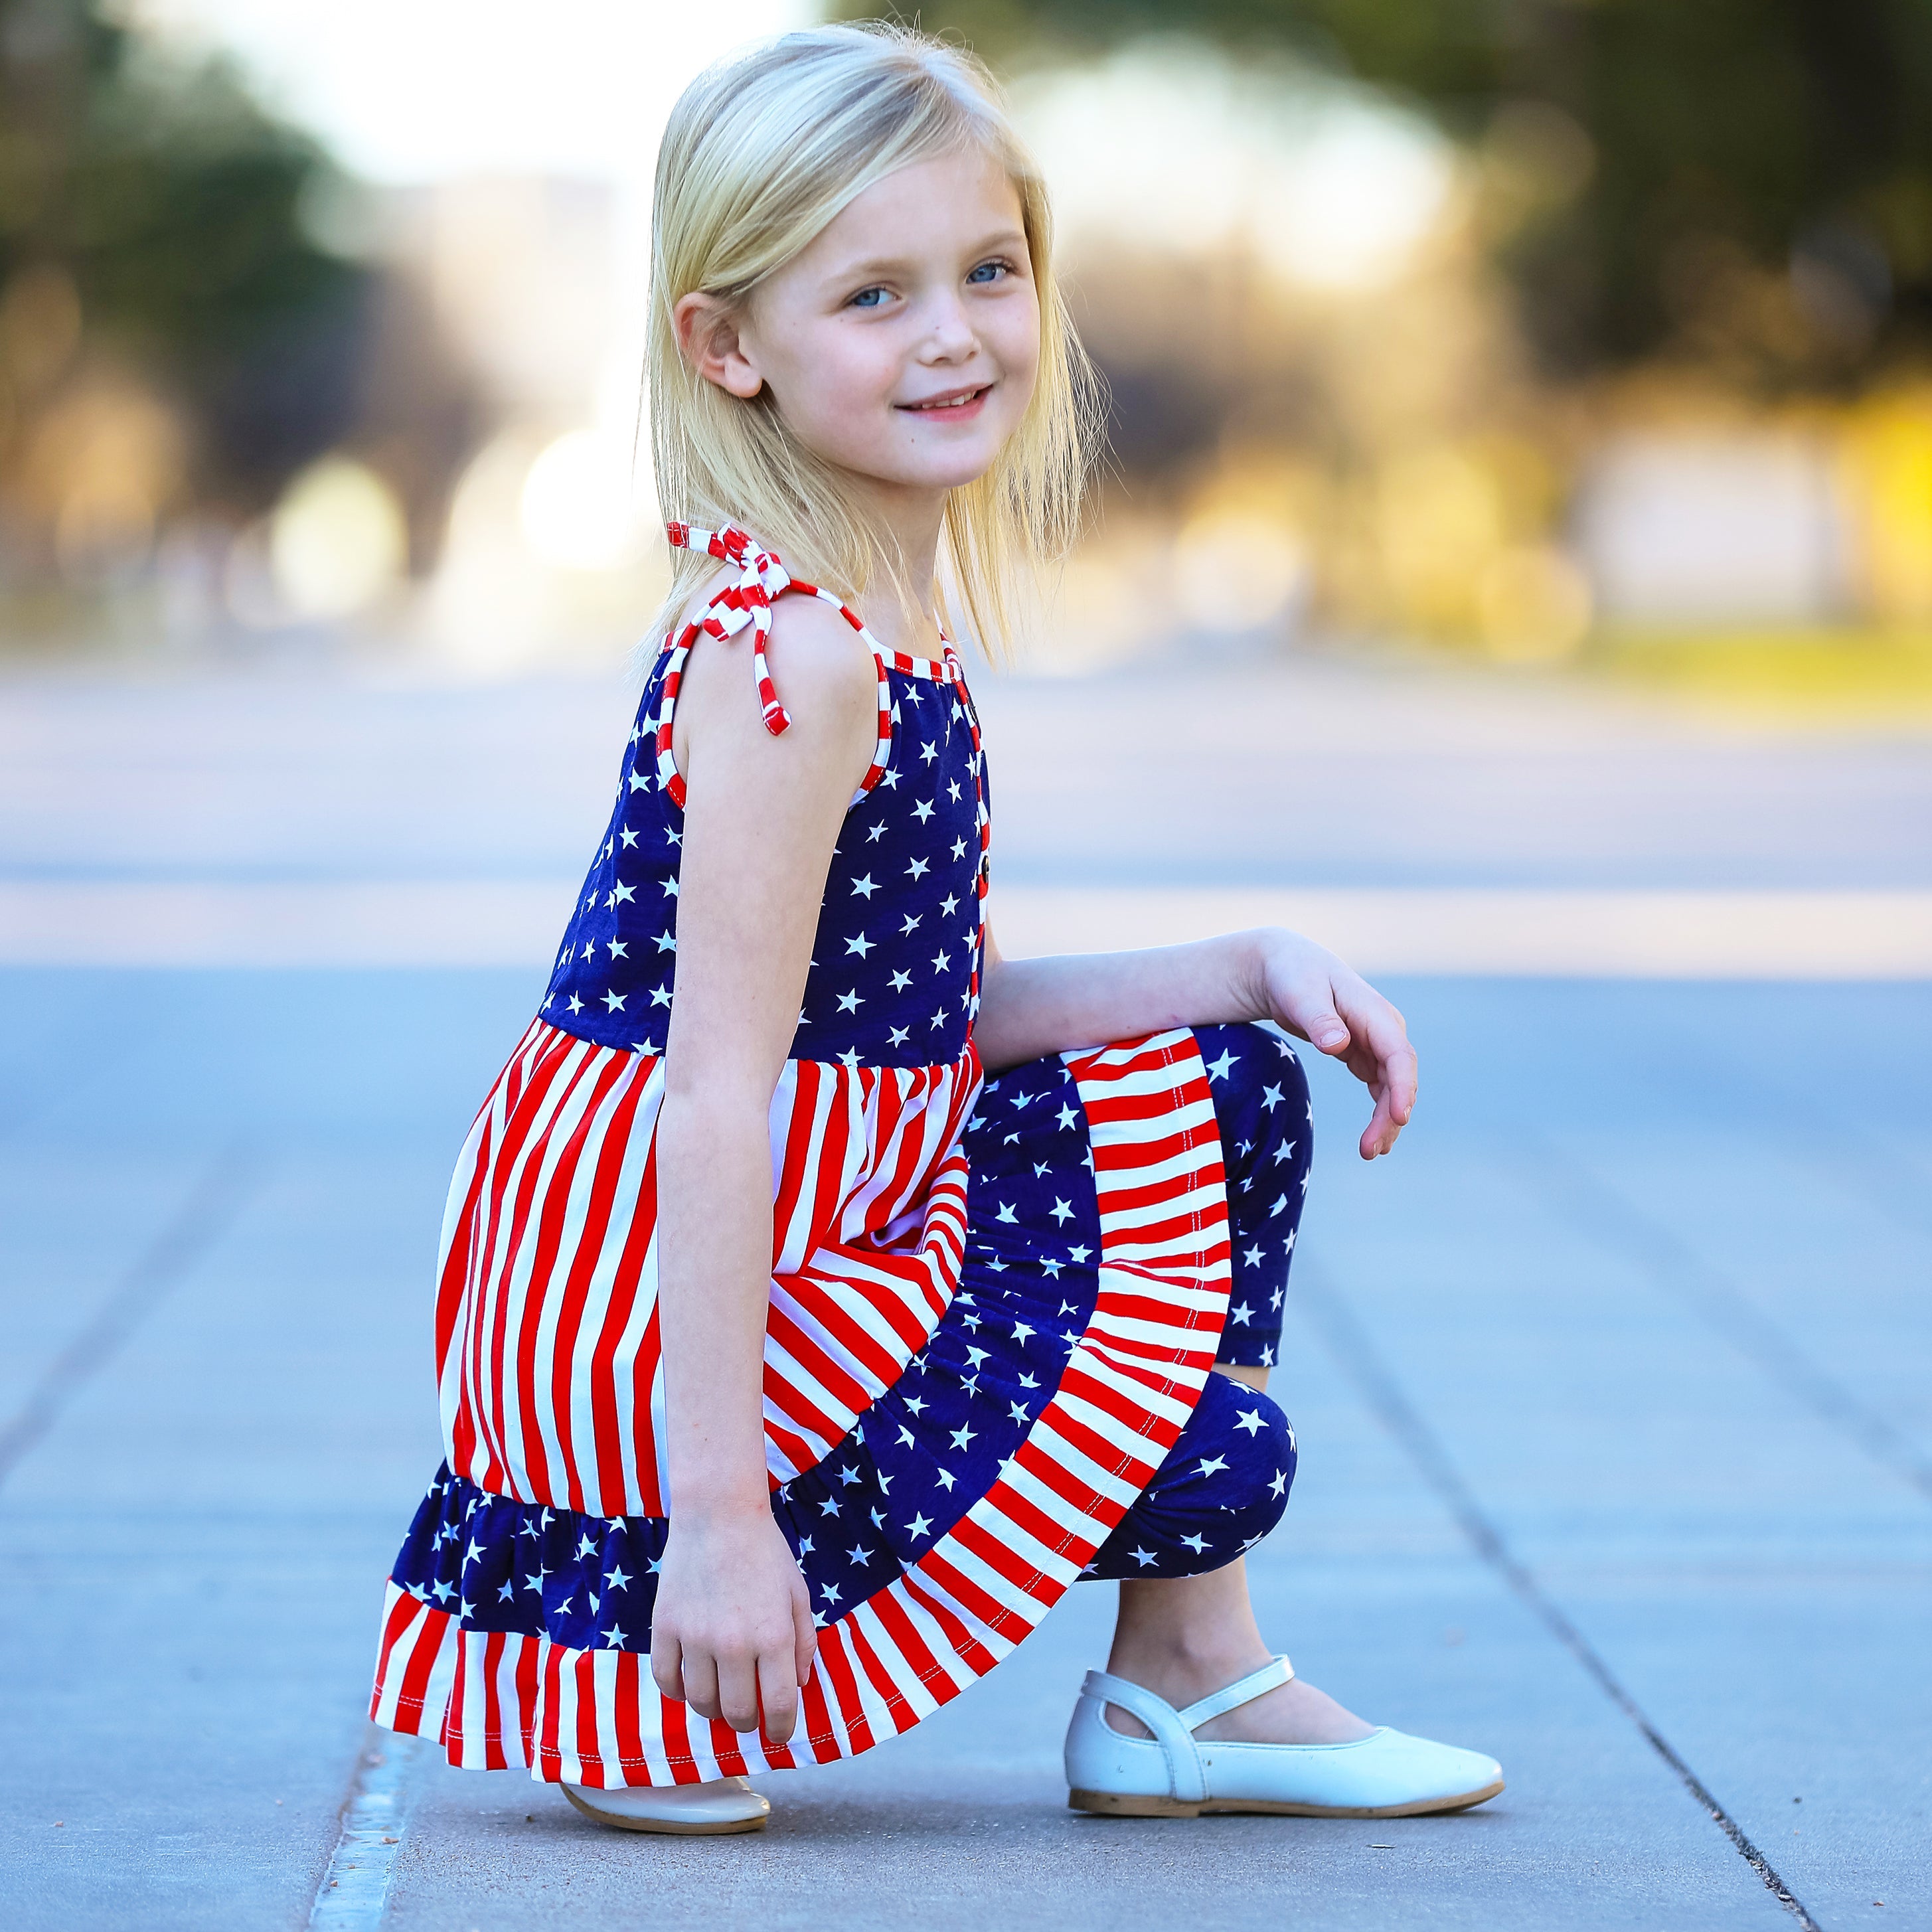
x=1050 y=1474
x=1046 y=1530
x=1124 y=1158
x=534 y=1104
x=1123 y=1307
x=1099 y=1450
x=725 y=1750
x=547 y=1757
x=841 y=1304
x=837 y=1666
x=971 y=1597
x=613 y=1136
x=906 y=1129
x=495 y=1758
x=1080 y=1381
x=643 y=1439
x=589 y=1749
x=972 y=1533
x=796 y=1406
x=795 y=1452
x=798 y=1147
x=450 y=1733
x=612 y=1489
x=909 y=1282
x=628 y=1694
x=828 y=1159
x=526 y=1695
x=913 y=1647
x=474 y=1420
x=550 y=1218
x=819 y=1738
x=830 y=1374
x=403 y=1612
x=673 y=1716
x=877 y=1676
x=415 y=1690
x=454 y=1278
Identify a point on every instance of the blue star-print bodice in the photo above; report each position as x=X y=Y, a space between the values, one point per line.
x=894 y=978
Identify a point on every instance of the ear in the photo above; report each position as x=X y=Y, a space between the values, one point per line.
x=710 y=338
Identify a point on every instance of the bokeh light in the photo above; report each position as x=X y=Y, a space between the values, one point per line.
x=1329 y=187
x=337 y=542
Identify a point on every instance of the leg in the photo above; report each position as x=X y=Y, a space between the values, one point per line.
x=1183 y=1636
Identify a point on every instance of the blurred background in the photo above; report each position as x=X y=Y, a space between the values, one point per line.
x=1514 y=568
x=1554 y=332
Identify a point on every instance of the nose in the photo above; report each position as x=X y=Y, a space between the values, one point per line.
x=949 y=336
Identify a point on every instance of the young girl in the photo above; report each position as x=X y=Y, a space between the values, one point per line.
x=821 y=1292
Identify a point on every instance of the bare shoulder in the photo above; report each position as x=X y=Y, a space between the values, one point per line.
x=824 y=672
x=818 y=661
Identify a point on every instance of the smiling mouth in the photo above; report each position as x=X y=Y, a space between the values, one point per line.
x=957 y=399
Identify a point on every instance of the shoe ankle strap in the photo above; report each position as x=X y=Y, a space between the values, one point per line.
x=1276 y=1671
x=1173 y=1730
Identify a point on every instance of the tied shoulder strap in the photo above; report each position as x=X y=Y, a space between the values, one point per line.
x=761 y=577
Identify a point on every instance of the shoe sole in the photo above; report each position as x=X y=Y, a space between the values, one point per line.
x=672 y=1827
x=1116 y=1805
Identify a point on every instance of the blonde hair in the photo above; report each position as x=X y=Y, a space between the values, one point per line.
x=761 y=153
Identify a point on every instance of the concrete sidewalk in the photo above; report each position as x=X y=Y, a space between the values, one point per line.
x=1614 y=1392
x=1612 y=1401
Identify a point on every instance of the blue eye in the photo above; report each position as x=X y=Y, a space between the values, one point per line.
x=869 y=298
x=987 y=270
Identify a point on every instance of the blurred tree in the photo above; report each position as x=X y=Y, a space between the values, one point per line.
x=1751 y=179
x=170 y=206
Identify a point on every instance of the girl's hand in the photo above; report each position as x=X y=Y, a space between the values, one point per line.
x=732 y=1634
x=1310 y=992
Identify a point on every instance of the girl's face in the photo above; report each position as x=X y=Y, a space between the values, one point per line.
x=902 y=345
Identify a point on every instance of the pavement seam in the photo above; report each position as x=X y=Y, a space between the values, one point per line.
x=353 y=1893
x=1348 y=1342
x=209 y=1208
x=1601 y=1210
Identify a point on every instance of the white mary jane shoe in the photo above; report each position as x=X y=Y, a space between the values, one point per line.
x=1174 y=1775
x=720 y=1804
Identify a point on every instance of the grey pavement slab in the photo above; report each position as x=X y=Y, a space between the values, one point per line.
x=1758 y=1577
x=195 y=1548
x=1611 y=1387
x=1305 y=770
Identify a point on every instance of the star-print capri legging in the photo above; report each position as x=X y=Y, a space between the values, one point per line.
x=1225 y=1483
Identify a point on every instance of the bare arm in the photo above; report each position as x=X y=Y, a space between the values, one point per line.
x=1032 y=1007
x=732 y=1632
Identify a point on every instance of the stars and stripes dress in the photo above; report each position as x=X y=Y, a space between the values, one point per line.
x=995 y=1302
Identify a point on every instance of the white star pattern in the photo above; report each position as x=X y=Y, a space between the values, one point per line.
x=923 y=857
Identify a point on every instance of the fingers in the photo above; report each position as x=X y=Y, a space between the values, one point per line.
x=667 y=1662
x=805 y=1633
x=699 y=1689
x=1313 y=1011
x=1379 y=1135
x=746 y=1690
x=749 y=1689
x=777 y=1694
x=782 y=1674
x=1392 y=1081
x=738 y=1675
x=735 y=1648
x=1383 y=1060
